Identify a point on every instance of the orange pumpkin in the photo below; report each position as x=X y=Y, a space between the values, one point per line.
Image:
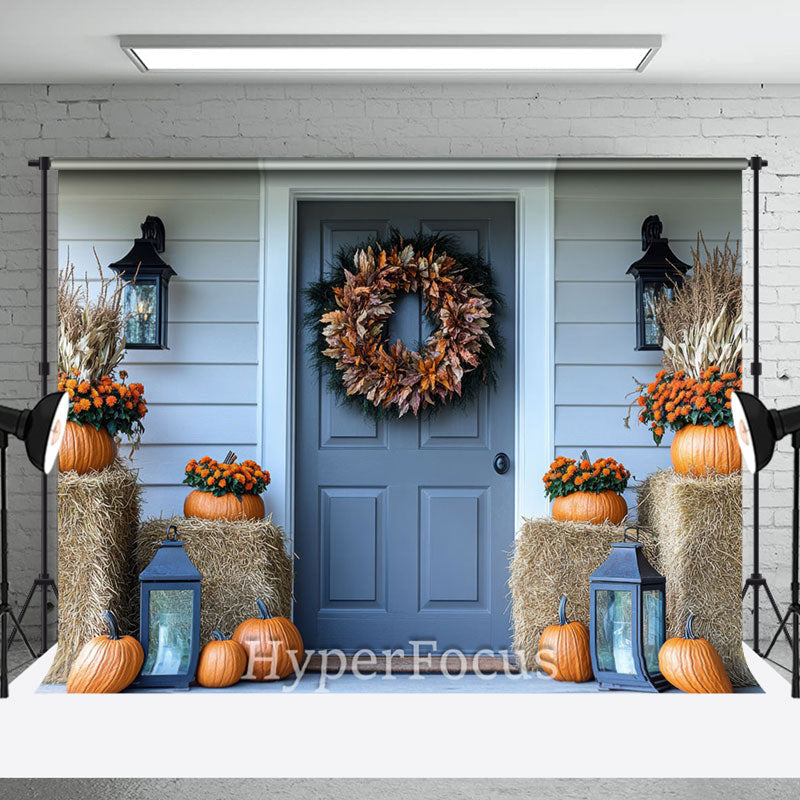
x=268 y=642
x=85 y=448
x=227 y=506
x=106 y=664
x=692 y=665
x=591 y=507
x=699 y=448
x=222 y=662
x=564 y=649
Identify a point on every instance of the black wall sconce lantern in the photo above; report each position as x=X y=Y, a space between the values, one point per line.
x=657 y=272
x=627 y=620
x=145 y=299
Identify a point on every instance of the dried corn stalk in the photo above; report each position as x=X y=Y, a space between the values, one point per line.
x=702 y=321
x=716 y=342
x=91 y=336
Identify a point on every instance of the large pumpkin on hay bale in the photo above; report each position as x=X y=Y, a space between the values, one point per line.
x=227 y=506
x=589 y=507
x=85 y=448
x=564 y=649
x=692 y=664
x=698 y=449
x=106 y=664
x=270 y=643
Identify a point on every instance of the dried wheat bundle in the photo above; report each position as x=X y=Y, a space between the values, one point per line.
x=702 y=321
x=91 y=336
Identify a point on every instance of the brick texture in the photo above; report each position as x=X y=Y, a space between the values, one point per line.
x=396 y=120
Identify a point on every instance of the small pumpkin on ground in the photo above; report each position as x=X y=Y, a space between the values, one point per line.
x=564 y=649
x=692 y=665
x=268 y=642
x=585 y=491
x=222 y=662
x=85 y=448
x=106 y=664
x=225 y=489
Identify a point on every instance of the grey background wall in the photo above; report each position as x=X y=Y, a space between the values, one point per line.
x=398 y=120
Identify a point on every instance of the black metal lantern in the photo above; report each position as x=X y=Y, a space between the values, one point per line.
x=169 y=616
x=657 y=272
x=145 y=298
x=627 y=620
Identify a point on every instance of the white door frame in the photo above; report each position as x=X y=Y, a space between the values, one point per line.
x=532 y=192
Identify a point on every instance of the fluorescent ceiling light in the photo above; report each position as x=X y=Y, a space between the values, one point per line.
x=372 y=54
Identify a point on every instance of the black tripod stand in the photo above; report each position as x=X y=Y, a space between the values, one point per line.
x=757 y=581
x=793 y=613
x=6 y=613
x=44 y=581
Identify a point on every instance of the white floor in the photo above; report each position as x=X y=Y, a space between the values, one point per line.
x=488 y=734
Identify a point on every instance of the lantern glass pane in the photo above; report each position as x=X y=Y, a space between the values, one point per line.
x=652 y=627
x=614 y=631
x=651 y=291
x=169 y=646
x=140 y=305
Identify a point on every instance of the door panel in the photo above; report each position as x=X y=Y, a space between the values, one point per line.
x=402 y=525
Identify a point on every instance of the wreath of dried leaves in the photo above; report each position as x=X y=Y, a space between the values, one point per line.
x=349 y=311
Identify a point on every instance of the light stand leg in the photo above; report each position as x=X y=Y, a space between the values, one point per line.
x=793 y=612
x=5 y=607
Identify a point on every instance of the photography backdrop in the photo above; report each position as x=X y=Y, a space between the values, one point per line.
x=526 y=120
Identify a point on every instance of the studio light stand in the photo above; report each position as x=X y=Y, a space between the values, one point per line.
x=758 y=430
x=793 y=613
x=44 y=582
x=42 y=429
x=6 y=613
x=757 y=581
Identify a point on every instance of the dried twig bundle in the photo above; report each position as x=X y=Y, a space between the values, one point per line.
x=91 y=336
x=702 y=321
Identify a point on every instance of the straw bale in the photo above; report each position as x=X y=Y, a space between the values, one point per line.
x=553 y=558
x=240 y=560
x=697 y=522
x=98 y=514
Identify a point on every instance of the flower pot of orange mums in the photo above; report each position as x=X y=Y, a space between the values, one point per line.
x=586 y=491
x=699 y=411
x=99 y=411
x=225 y=489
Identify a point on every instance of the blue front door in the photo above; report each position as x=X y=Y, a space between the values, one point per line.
x=403 y=526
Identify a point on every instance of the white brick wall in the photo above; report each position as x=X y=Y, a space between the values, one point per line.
x=395 y=120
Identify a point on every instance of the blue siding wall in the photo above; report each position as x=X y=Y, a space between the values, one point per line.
x=202 y=391
x=598 y=218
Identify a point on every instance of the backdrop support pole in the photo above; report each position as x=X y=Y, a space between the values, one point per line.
x=757 y=581
x=44 y=582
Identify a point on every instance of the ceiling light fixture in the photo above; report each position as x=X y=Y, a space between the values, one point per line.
x=442 y=54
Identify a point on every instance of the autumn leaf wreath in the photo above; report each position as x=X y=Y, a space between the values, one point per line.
x=349 y=310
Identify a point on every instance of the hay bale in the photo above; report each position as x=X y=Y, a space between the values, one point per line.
x=698 y=525
x=98 y=515
x=553 y=558
x=240 y=561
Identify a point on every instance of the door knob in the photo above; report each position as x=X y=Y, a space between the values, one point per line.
x=502 y=463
